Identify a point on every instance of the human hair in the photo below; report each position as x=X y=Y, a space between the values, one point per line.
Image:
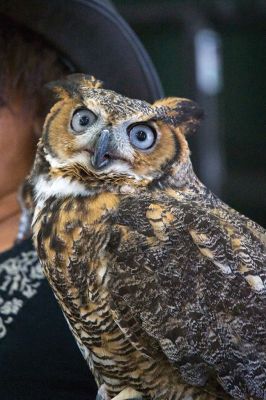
x=28 y=61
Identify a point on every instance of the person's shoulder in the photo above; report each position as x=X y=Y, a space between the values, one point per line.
x=20 y=277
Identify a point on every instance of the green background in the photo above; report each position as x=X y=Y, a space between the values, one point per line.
x=242 y=104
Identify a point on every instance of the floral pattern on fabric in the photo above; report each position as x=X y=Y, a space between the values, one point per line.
x=20 y=278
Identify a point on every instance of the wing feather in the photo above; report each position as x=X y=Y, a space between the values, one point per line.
x=193 y=278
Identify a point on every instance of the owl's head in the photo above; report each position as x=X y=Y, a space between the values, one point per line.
x=101 y=136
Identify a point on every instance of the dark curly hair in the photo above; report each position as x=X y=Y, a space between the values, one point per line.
x=27 y=63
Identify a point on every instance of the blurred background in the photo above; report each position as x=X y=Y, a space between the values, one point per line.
x=214 y=51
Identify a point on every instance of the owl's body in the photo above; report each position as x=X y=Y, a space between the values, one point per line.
x=162 y=284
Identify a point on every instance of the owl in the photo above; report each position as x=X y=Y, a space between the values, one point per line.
x=161 y=283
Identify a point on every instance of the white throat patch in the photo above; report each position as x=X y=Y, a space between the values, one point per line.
x=59 y=187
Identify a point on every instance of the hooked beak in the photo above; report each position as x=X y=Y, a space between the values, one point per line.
x=101 y=157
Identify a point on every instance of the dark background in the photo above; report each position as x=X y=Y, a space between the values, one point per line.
x=234 y=128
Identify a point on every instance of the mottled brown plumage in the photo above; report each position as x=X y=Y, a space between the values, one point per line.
x=162 y=284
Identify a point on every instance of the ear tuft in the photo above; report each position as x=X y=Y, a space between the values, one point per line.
x=73 y=84
x=179 y=112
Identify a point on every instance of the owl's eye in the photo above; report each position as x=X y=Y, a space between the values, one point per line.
x=82 y=119
x=142 y=137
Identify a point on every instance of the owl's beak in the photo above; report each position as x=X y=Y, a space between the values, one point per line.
x=101 y=157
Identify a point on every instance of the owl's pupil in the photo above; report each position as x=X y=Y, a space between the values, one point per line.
x=141 y=136
x=84 y=120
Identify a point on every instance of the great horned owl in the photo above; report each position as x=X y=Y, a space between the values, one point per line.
x=162 y=284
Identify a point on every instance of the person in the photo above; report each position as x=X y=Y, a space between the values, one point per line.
x=39 y=357
x=32 y=330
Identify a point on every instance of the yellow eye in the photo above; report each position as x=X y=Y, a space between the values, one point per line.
x=142 y=136
x=82 y=119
